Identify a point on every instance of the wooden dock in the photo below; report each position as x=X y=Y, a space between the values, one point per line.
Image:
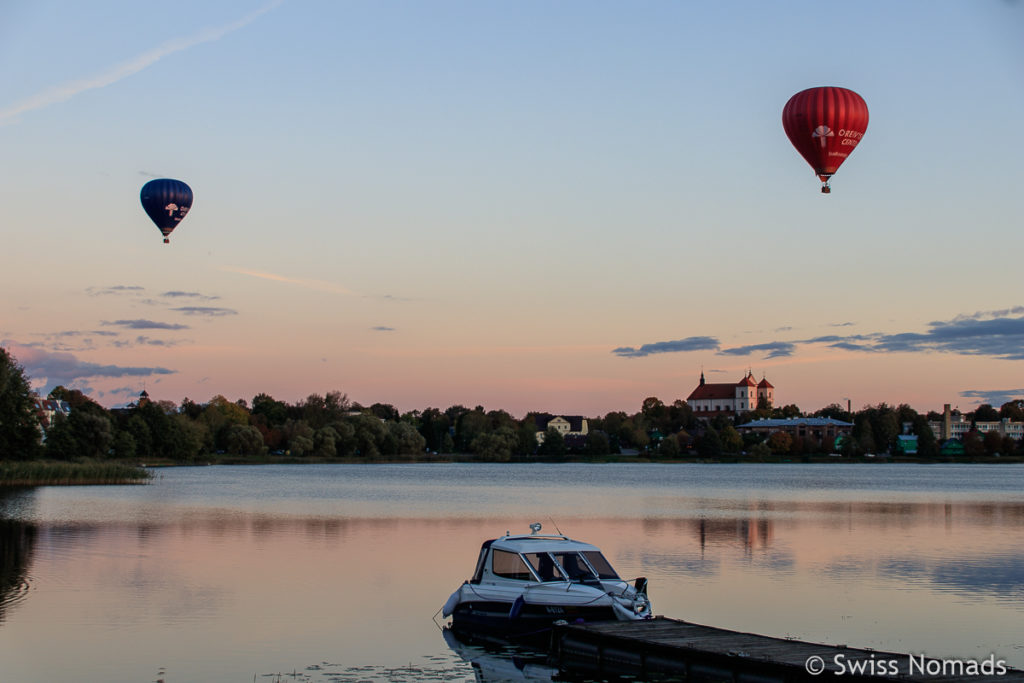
x=669 y=648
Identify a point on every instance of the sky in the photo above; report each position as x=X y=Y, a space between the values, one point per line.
x=529 y=206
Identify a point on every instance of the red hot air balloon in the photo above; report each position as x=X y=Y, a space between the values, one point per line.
x=825 y=124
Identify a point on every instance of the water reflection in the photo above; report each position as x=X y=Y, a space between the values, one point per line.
x=17 y=542
x=228 y=586
x=494 y=663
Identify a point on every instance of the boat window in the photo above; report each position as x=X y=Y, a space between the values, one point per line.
x=600 y=564
x=479 y=573
x=545 y=567
x=510 y=566
x=574 y=566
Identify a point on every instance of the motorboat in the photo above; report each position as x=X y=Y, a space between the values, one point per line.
x=524 y=583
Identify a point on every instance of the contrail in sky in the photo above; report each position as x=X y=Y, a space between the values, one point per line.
x=318 y=285
x=65 y=91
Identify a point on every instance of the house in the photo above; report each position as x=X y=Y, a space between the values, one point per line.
x=47 y=410
x=823 y=429
x=567 y=425
x=711 y=399
x=954 y=425
x=906 y=444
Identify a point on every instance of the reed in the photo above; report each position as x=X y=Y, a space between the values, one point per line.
x=50 y=473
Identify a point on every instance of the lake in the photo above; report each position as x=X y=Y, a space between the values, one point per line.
x=336 y=572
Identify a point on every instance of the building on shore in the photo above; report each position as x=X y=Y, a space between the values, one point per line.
x=730 y=399
x=954 y=425
x=572 y=427
x=822 y=429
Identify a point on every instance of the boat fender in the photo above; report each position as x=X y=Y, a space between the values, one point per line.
x=517 y=607
x=452 y=603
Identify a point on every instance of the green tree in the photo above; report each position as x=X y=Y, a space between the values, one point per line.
x=553 y=444
x=993 y=442
x=927 y=444
x=190 y=437
x=760 y=451
x=668 y=447
x=708 y=444
x=495 y=446
x=986 y=413
x=434 y=427
x=370 y=433
x=82 y=434
x=974 y=446
x=598 y=443
x=470 y=425
x=299 y=436
x=1013 y=409
x=123 y=447
x=19 y=425
x=407 y=440
x=732 y=442
x=780 y=442
x=325 y=442
x=219 y=415
x=268 y=410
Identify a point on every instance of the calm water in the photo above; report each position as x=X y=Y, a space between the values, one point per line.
x=335 y=572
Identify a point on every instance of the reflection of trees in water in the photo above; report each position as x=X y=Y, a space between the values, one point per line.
x=17 y=541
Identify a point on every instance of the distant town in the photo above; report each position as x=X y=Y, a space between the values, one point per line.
x=738 y=420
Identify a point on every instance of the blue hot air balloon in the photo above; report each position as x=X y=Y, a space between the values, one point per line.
x=166 y=201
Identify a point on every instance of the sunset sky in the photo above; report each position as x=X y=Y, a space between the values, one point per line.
x=557 y=206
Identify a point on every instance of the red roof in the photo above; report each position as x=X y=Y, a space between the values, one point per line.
x=713 y=391
x=746 y=381
x=765 y=384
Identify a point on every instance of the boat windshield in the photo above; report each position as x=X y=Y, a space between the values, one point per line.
x=545 y=567
x=510 y=565
x=600 y=564
x=574 y=566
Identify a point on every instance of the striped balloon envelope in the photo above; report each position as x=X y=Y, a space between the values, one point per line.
x=825 y=125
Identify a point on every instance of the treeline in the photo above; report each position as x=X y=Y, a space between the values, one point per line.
x=331 y=427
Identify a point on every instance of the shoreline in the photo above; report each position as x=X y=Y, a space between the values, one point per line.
x=27 y=474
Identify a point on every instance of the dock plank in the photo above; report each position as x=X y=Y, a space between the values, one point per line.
x=672 y=646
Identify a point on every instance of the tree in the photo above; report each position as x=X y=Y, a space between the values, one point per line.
x=708 y=444
x=220 y=415
x=834 y=411
x=495 y=446
x=986 y=413
x=927 y=444
x=668 y=448
x=470 y=424
x=974 y=446
x=19 y=425
x=268 y=410
x=1013 y=410
x=993 y=442
x=760 y=451
x=325 y=442
x=299 y=436
x=407 y=440
x=780 y=442
x=384 y=411
x=553 y=444
x=732 y=442
x=597 y=443
x=82 y=434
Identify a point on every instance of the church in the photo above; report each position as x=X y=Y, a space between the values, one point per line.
x=709 y=400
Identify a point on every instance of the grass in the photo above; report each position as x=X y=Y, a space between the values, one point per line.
x=51 y=473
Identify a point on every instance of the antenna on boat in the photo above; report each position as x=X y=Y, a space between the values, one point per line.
x=556 y=527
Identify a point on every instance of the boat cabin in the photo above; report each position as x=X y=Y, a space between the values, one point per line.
x=541 y=559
